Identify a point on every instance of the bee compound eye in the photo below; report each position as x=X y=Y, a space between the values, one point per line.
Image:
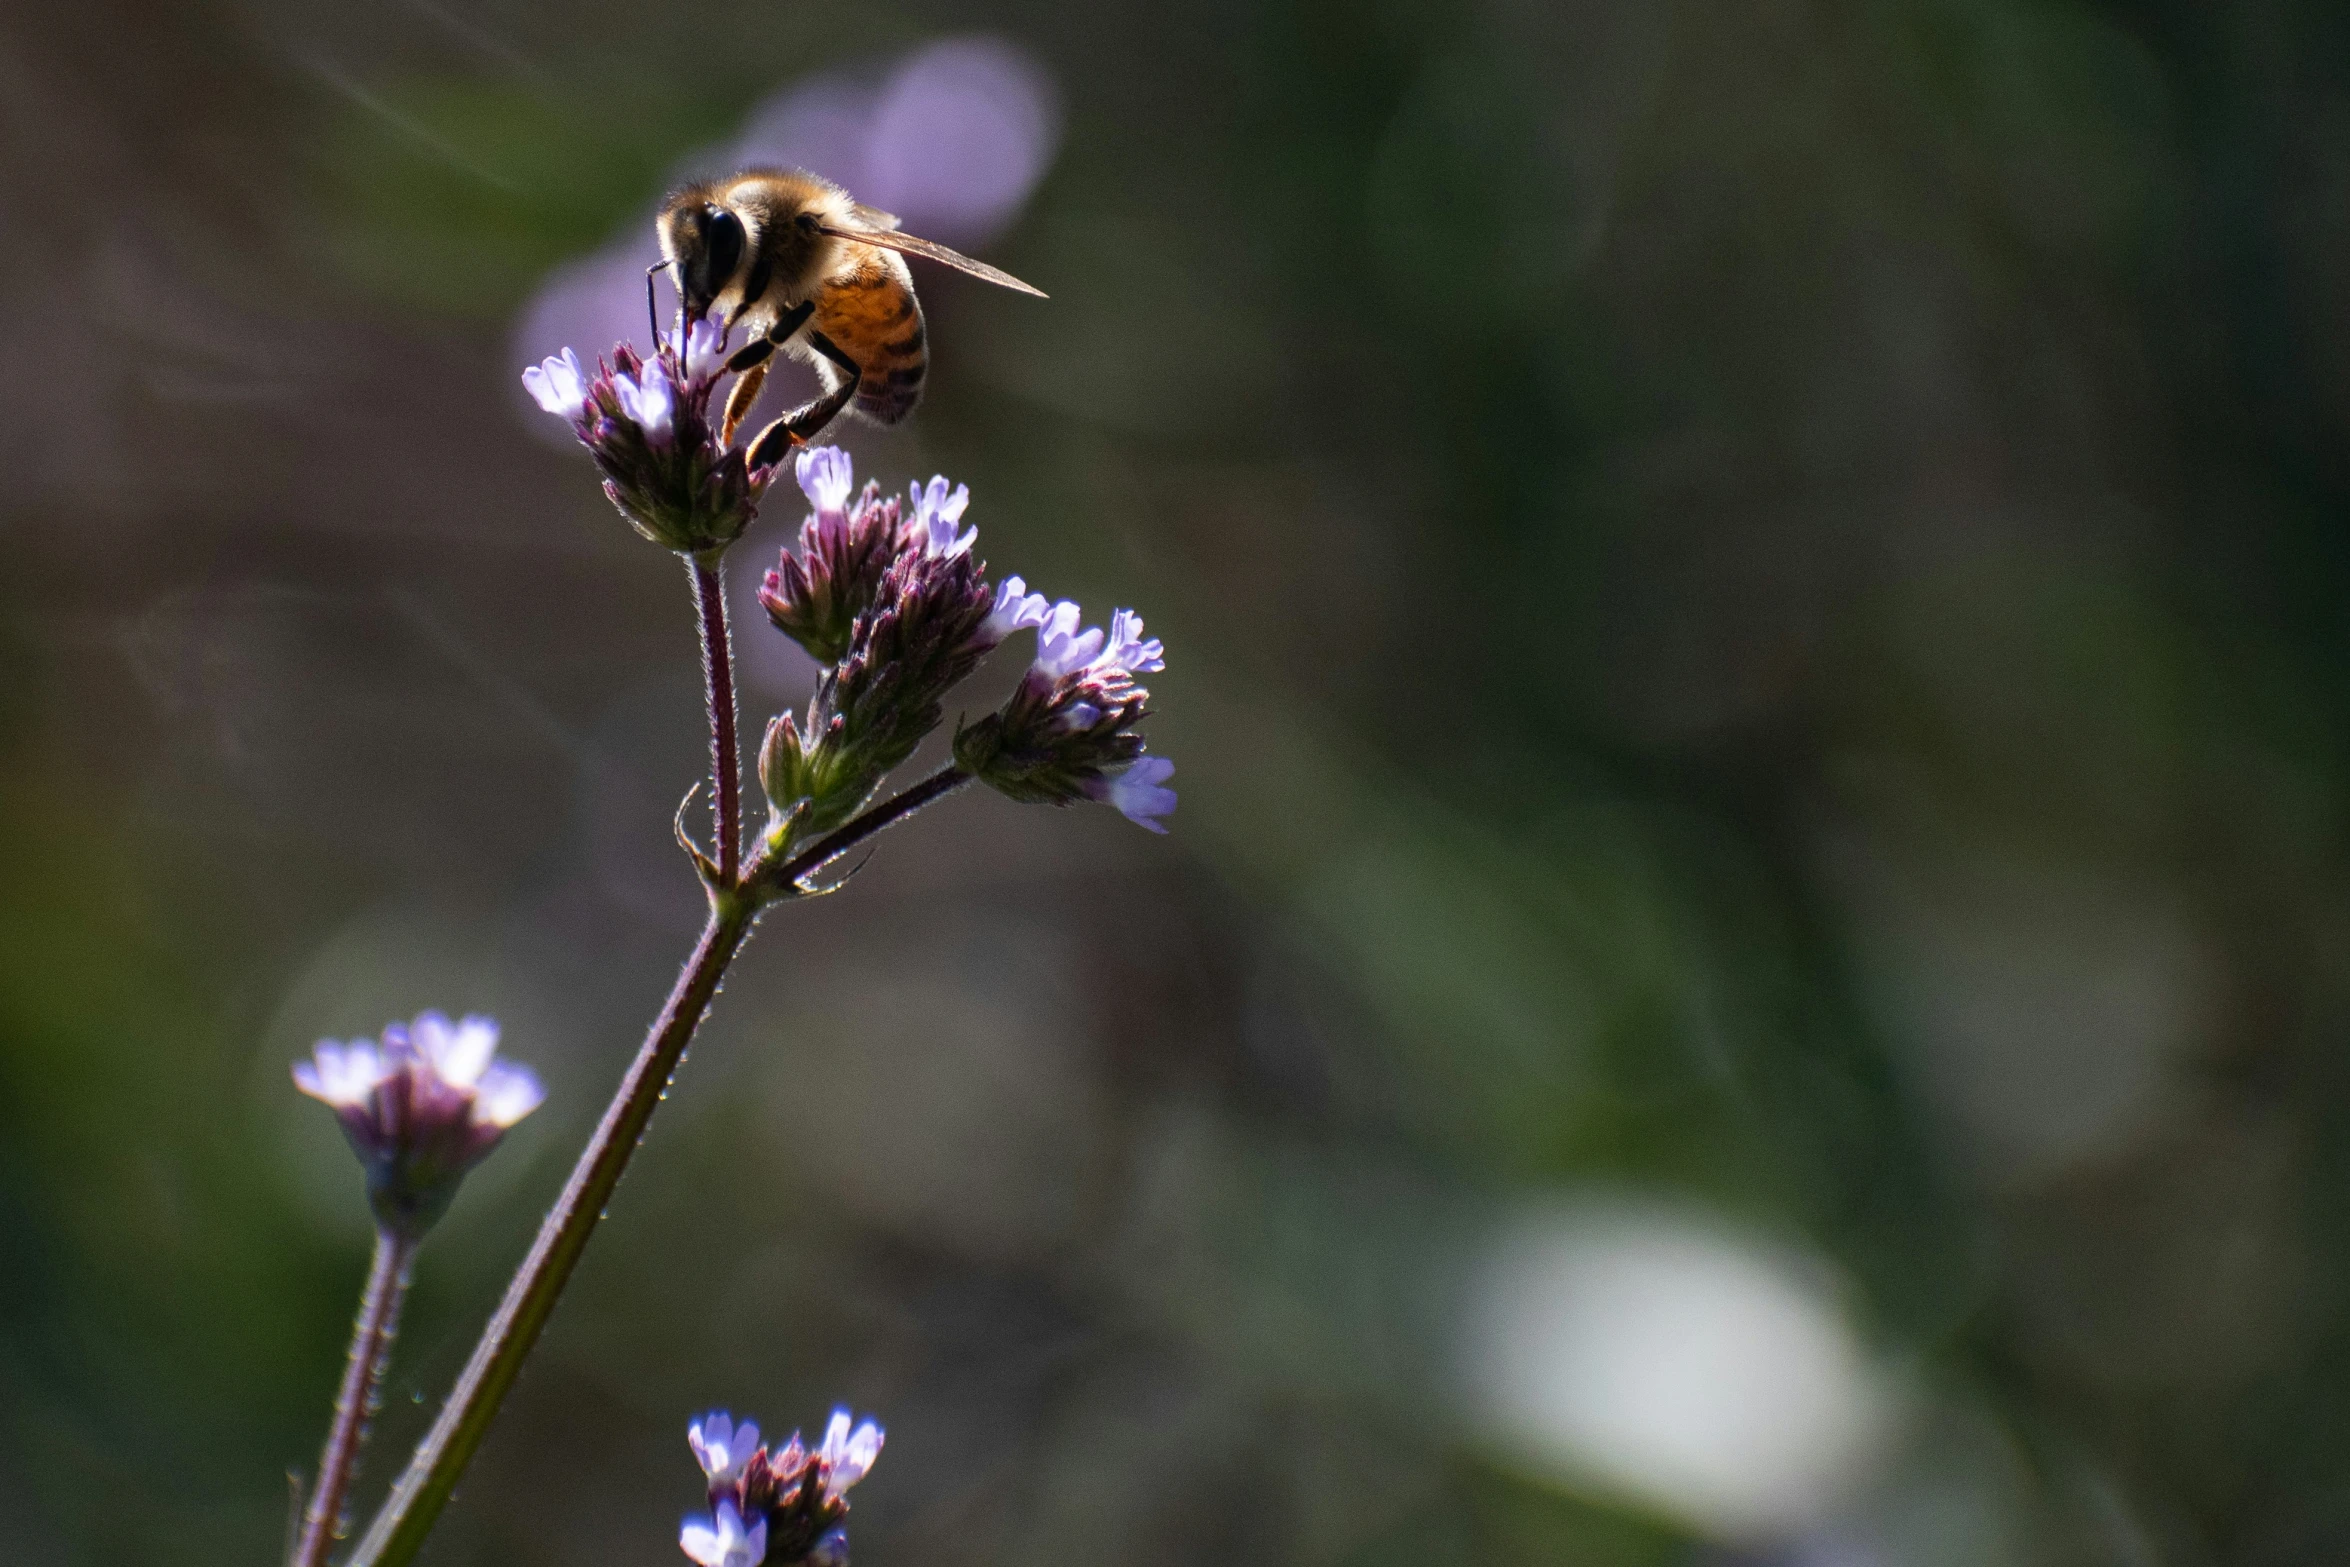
x=722 y=247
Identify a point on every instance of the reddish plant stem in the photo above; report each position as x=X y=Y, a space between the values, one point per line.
x=433 y=1471
x=726 y=771
x=371 y=1343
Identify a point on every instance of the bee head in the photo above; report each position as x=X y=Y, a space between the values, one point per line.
x=706 y=242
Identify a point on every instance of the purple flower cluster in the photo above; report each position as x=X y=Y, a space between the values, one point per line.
x=1068 y=732
x=784 y=1506
x=420 y=1108
x=894 y=598
x=646 y=422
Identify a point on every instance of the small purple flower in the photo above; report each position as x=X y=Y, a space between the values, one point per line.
x=827 y=478
x=1125 y=649
x=649 y=401
x=420 y=1109
x=785 y=1505
x=1069 y=731
x=720 y=1446
x=1015 y=607
x=701 y=353
x=1139 y=793
x=559 y=386
x=848 y=1456
x=720 y=1540
x=935 y=513
x=647 y=423
x=1062 y=649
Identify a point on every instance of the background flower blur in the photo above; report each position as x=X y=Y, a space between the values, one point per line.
x=1755 y=963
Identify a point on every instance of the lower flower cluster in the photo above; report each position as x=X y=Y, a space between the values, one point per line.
x=783 y=1506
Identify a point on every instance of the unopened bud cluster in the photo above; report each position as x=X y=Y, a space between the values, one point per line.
x=782 y=1507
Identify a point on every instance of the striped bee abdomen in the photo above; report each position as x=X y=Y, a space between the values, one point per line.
x=872 y=315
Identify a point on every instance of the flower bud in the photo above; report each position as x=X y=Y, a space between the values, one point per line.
x=420 y=1108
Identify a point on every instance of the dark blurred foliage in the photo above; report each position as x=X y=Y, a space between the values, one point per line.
x=1755 y=596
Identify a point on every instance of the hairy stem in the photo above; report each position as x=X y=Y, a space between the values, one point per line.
x=432 y=1473
x=416 y=1502
x=371 y=1344
x=842 y=839
x=726 y=772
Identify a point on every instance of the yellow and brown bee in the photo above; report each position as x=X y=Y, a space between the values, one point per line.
x=807 y=269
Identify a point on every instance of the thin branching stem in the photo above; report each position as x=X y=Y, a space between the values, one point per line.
x=371 y=1344
x=423 y=1490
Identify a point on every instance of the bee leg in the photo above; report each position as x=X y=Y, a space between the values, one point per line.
x=803 y=423
x=757 y=350
x=739 y=400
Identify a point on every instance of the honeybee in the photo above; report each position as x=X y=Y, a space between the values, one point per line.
x=815 y=273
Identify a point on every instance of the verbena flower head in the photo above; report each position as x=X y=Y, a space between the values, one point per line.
x=1069 y=731
x=784 y=1506
x=902 y=609
x=646 y=422
x=420 y=1107
x=814 y=596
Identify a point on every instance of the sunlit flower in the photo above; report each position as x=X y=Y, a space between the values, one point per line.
x=848 y=1455
x=785 y=1505
x=826 y=476
x=701 y=351
x=720 y=1540
x=649 y=400
x=936 y=510
x=1125 y=649
x=1139 y=793
x=1015 y=607
x=1069 y=731
x=646 y=422
x=558 y=385
x=420 y=1108
x=720 y=1446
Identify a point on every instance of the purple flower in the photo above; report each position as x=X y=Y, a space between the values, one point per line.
x=1125 y=649
x=420 y=1109
x=826 y=477
x=647 y=424
x=935 y=513
x=847 y=1456
x=1138 y=793
x=720 y=1540
x=720 y=1446
x=559 y=386
x=1062 y=649
x=649 y=401
x=1015 y=607
x=1069 y=730
x=785 y=1505
x=701 y=352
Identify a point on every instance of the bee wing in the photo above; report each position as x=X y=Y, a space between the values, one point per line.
x=873 y=217
x=907 y=244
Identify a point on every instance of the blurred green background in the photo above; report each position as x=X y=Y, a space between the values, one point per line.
x=1754 y=966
